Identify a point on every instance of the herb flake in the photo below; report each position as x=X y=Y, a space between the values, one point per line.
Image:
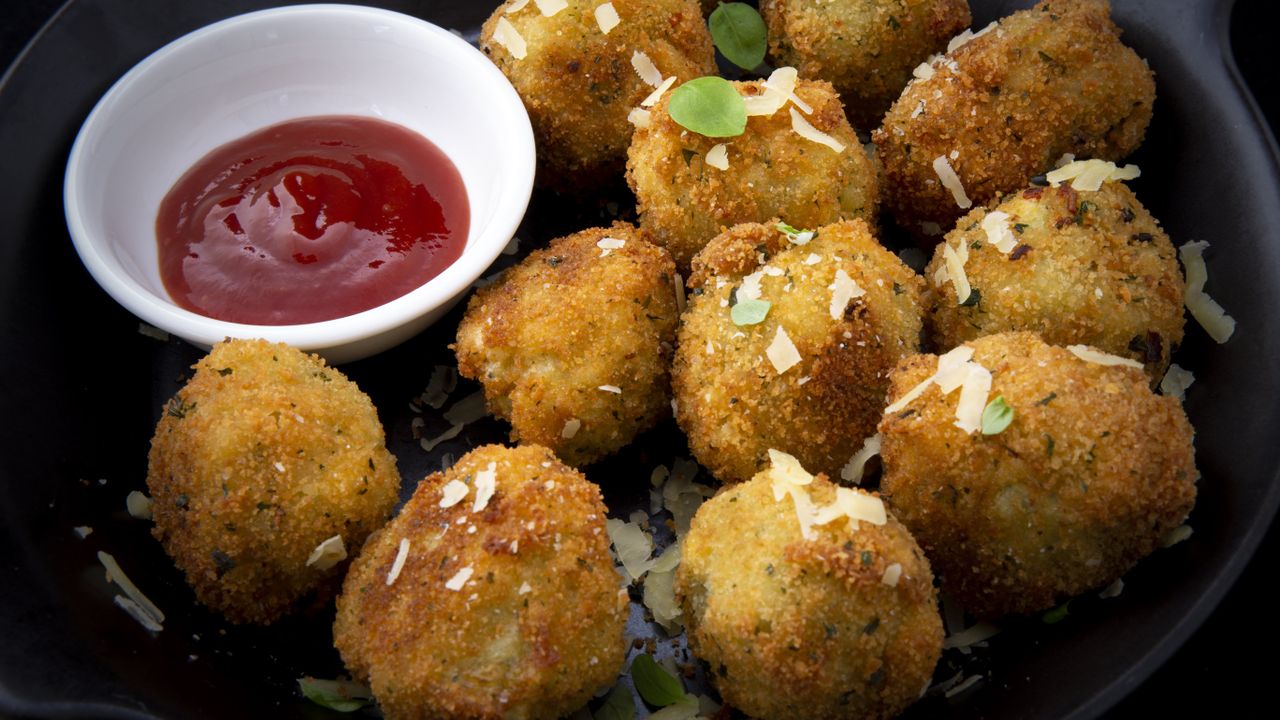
x=749 y=312
x=996 y=416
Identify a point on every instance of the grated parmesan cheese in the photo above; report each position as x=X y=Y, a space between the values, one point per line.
x=550 y=7
x=116 y=574
x=658 y=92
x=645 y=68
x=968 y=35
x=453 y=493
x=632 y=546
x=457 y=581
x=328 y=553
x=571 y=428
x=517 y=6
x=999 y=234
x=750 y=287
x=1097 y=357
x=611 y=388
x=659 y=590
x=784 y=80
x=486 y=485
x=607 y=17
x=640 y=118
x=951 y=181
x=973 y=398
x=1089 y=175
x=506 y=35
x=923 y=71
x=778 y=89
x=1211 y=316
x=843 y=289
x=718 y=156
x=981 y=632
x=1112 y=590
x=807 y=131
x=608 y=245
x=852 y=471
x=892 y=575
x=402 y=554
x=1177 y=535
x=1176 y=381
x=953 y=263
x=968 y=683
x=782 y=353
x=137 y=612
x=524 y=588
x=139 y=505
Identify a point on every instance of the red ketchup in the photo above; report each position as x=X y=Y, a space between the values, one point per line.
x=310 y=220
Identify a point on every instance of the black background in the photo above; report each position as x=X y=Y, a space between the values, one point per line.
x=1226 y=666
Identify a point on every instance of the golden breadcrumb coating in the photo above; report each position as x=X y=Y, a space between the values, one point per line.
x=773 y=172
x=513 y=610
x=731 y=400
x=264 y=454
x=1091 y=475
x=1089 y=268
x=791 y=627
x=556 y=335
x=866 y=49
x=1046 y=81
x=578 y=83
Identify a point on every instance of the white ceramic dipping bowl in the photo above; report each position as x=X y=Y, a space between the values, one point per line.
x=231 y=78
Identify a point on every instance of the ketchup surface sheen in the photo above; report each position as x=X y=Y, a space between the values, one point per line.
x=310 y=220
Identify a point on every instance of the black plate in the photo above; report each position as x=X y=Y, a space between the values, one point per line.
x=80 y=391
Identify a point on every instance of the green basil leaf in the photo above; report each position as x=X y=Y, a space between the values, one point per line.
x=749 y=312
x=1056 y=615
x=655 y=685
x=618 y=705
x=996 y=416
x=739 y=34
x=709 y=106
x=796 y=235
x=340 y=695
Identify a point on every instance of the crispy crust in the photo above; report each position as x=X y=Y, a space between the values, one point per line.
x=578 y=84
x=1047 y=81
x=488 y=650
x=773 y=172
x=1095 y=269
x=866 y=49
x=552 y=330
x=734 y=405
x=264 y=454
x=796 y=628
x=1091 y=475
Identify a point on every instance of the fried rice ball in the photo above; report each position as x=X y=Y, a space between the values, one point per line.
x=773 y=172
x=1093 y=472
x=573 y=345
x=1089 y=268
x=1004 y=106
x=866 y=49
x=265 y=454
x=733 y=400
x=491 y=595
x=843 y=625
x=579 y=84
